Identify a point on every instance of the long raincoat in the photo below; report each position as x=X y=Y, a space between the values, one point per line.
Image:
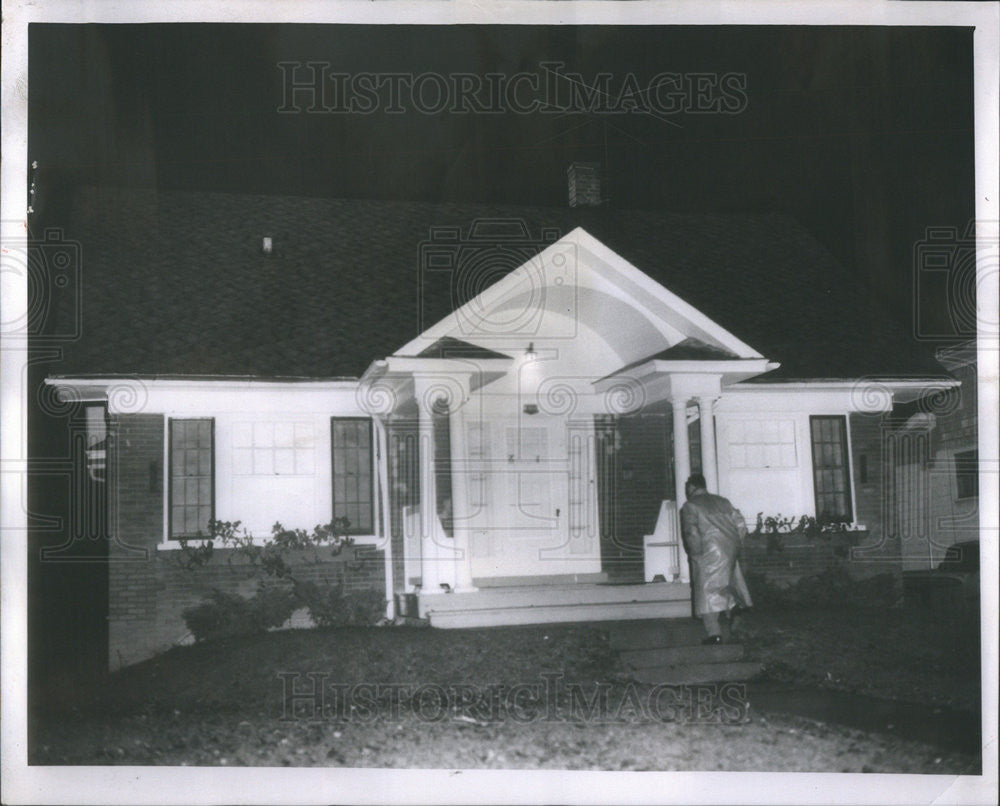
x=713 y=531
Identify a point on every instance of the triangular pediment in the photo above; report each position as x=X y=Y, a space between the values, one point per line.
x=580 y=297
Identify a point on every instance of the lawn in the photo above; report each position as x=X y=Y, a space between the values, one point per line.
x=916 y=654
x=477 y=699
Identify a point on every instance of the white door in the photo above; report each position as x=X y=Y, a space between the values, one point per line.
x=519 y=489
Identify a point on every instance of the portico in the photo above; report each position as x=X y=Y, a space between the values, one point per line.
x=498 y=471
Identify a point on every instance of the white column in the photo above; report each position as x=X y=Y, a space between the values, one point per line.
x=430 y=581
x=460 y=501
x=709 y=465
x=382 y=469
x=682 y=469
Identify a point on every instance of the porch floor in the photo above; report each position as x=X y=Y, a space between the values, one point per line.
x=554 y=603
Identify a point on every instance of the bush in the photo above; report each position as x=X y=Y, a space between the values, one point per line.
x=225 y=615
x=272 y=607
x=330 y=606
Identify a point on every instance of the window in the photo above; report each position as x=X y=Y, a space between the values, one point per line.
x=351 y=442
x=967 y=474
x=755 y=444
x=831 y=479
x=192 y=477
x=274 y=449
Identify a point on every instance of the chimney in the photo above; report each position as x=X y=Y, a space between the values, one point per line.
x=584 y=184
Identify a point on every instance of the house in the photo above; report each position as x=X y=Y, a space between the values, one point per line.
x=933 y=447
x=504 y=402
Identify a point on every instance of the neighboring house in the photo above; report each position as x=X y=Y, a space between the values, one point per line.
x=932 y=446
x=504 y=402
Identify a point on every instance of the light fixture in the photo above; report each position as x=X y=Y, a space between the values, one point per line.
x=530 y=353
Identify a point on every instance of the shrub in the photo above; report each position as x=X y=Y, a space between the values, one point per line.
x=226 y=615
x=272 y=607
x=276 y=563
x=223 y=615
x=774 y=528
x=330 y=606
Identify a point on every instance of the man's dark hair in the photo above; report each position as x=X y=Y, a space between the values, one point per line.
x=697 y=480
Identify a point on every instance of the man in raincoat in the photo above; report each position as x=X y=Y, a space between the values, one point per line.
x=713 y=531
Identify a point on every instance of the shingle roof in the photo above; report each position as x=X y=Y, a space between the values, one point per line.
x=178 y=282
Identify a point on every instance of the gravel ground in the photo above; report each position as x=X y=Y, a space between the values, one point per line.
x=225 y=704
x=777 y=744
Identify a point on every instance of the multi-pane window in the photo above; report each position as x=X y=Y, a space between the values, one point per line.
x=831 y=479
x=754 y=444
x=192 y=488
x=351 y=441
x=274 y=448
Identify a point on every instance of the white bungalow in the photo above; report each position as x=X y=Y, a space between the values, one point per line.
x=520 y=460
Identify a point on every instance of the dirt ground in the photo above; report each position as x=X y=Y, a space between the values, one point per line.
x=525 y=697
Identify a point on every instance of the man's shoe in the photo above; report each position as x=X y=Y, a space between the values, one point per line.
x=712 y=639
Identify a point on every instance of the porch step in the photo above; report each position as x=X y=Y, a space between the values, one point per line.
x=536 y=580
x=541 y=596
x=553 y=613
x=673 y=632
x=670 y=652
x=698 y=673
x=682 y=655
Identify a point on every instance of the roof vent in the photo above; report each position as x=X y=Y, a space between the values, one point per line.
x=584 y=184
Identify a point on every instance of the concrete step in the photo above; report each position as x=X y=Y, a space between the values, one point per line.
x=597 y=577
x=555 y=613
x=698 y=673
x=680 y=655
x=556 y=595
x=659 y=634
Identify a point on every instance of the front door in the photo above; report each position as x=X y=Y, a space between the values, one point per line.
x=520 y=483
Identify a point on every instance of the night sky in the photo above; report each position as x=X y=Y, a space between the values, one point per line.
x=863 y=134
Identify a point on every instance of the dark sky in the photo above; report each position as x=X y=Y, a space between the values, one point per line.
x=863 y=134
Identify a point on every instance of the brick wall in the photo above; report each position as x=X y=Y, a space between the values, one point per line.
x=135 y=474
x=149 y=588
x=796 y=560
x=802 y=557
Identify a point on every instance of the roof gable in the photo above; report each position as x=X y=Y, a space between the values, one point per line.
x=577 y=295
